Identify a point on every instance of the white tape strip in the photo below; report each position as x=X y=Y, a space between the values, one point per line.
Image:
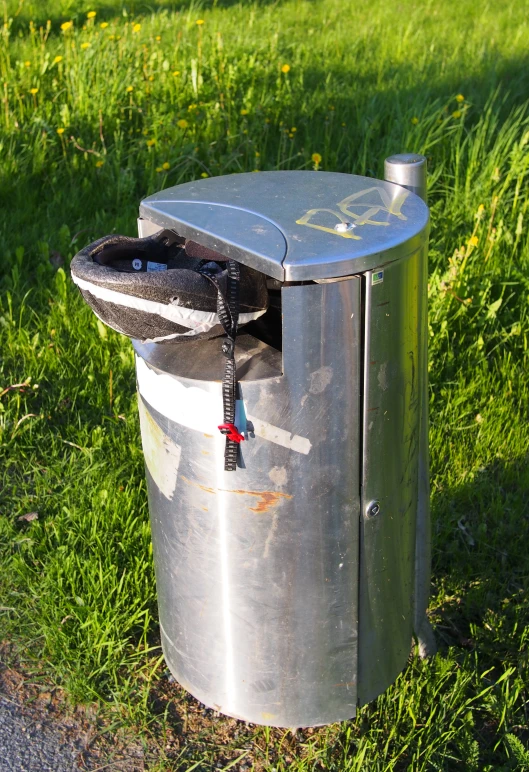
x=199 y=321
x=201 y=410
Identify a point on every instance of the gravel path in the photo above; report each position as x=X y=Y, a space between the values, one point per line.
x=27 y=746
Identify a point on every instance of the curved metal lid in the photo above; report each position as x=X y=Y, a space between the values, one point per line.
x=295 y=226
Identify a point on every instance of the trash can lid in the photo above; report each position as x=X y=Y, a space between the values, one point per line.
x=295 y=225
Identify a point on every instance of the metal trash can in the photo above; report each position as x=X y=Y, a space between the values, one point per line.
x=290 y=589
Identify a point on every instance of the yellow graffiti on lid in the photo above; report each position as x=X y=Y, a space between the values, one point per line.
x=346 y=214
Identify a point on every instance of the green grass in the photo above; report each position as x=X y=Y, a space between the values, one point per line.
x=77 y=586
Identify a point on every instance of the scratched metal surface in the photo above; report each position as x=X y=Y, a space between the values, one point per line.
x=394 y=389
x=257 y=571
x=283 y=223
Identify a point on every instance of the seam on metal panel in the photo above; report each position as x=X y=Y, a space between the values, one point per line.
x=364 y=391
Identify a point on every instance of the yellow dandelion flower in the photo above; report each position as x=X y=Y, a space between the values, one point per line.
x=111 y=37
x=257 y=154
x=415 y=120
x=159 y=169
x=290 y=135
x=293 y=129
x=244 y=112
x=176 y=72
x=158 y=37
x=316 y=157
x=33 y=91
x=151 y=142
x=285 y=68
x=473 y=241
x=99 y=164
x=204 y=175
x=479 y=213
x=151 y=77
x=256 y=170
x=456 y=114
x=84 y=46
x=136 y=27
x=200 y=22
x=104 y=24
x=66 y=25
x=460 y=98
x=166 y=166
x=191 y=107
x=57 y=60
x=61 y=131
x=91 y=14
x=129 y=89
x=182 y=123
x=27 y=64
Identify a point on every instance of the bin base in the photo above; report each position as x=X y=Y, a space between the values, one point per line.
x=259 y=719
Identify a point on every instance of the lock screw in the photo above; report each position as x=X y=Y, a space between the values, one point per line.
x=343 y=227
x=373 y=509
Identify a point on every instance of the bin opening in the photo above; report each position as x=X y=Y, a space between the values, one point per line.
x=268 y=328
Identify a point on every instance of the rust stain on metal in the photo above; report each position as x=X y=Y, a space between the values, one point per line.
x=372 y=408
x=202 y=487
x=267 y=499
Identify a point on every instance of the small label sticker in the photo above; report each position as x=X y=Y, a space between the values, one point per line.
x=136 y=264
x=377 y=277
x=156 y=266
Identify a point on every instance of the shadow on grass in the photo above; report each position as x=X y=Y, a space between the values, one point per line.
x=377 y=124
x=39 y=14
x=481 y=564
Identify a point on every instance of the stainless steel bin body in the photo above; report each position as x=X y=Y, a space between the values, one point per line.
x=286 y=589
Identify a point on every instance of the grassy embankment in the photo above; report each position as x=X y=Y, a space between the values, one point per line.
x=98 y=114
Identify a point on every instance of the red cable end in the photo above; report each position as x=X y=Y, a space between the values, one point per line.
x=231 y=432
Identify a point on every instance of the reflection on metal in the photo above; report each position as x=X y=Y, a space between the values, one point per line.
x=257 y=573
x=391 y=425
x=410 y=171
x=380 y=201
x=289 y=592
